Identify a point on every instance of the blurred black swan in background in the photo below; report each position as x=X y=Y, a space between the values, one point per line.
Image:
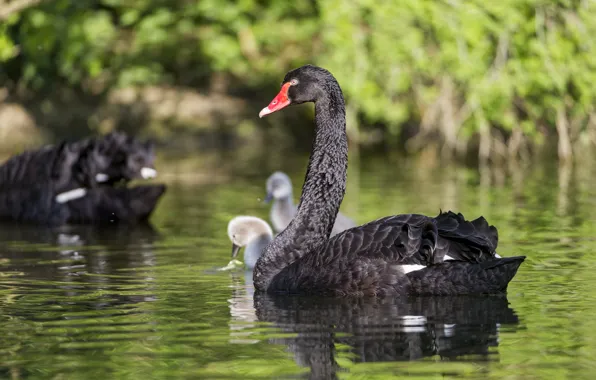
x=80 y=182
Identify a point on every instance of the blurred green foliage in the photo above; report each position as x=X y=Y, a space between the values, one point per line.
x=508 y=71
x=457 y=66
x=140 y=42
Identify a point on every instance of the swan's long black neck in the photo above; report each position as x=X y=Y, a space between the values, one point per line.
x=322 y=192
x=325 y=182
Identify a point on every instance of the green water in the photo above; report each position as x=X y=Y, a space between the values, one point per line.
x=140 y=303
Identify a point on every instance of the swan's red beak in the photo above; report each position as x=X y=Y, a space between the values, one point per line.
x=279 y=102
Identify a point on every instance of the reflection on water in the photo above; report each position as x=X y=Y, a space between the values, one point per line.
x=79 y=263
x=371 y=330
x=143 y=302
x=388 y=330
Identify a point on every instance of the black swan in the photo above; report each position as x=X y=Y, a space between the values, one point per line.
x=73 y=182
x=252 y=233
x=109 y=159
x=452 y=256
x=283 y=209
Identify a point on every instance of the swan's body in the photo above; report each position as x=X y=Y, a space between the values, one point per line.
x=113 y=205
x=374 y=259
x=253 y=234
x=283 y=209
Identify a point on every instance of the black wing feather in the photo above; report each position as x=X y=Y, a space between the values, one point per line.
x=474 y=241
x=400 y=239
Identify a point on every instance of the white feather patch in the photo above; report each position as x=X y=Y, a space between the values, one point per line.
x=147 y=173
x=413 y=329
x=101 y=177
x=448 y=330
x=413 y=320
x=70 y=195
x=447 y=257
x=411 y=268
x=413 y=323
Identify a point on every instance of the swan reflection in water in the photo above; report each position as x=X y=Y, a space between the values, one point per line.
x=372 y=330
x=242 y=311
x=69 y=253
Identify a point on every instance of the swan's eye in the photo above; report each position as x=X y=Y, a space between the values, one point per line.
x=294 y=82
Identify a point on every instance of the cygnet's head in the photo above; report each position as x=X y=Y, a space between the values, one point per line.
x=242 y=230
x=279 y=186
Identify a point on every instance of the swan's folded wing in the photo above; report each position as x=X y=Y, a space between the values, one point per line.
x=400 y=239
x=459 y=239
x=108 y=205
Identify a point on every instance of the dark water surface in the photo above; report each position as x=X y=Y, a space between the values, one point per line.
x=140 y=303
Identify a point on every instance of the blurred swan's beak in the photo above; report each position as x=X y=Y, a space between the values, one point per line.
x=268 y=198
x=235 y=250
x=148 y=173
x=279 y=102
x=101 y=177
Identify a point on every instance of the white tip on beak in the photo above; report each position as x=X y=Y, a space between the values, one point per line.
x=71 y=195
x=101 y=177
x=264 y=111
x=147 y=173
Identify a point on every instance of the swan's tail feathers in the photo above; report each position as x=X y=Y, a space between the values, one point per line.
x=502 y=270
x=463 y=278
x=472 y=241
x=144 y=200
x=487 y=230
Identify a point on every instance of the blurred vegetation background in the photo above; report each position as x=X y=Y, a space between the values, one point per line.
x=488 y=79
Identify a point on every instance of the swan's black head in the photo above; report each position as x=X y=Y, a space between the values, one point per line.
x=305 y=84
x=131 y=159
x=116 y=157
x=138 y=159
